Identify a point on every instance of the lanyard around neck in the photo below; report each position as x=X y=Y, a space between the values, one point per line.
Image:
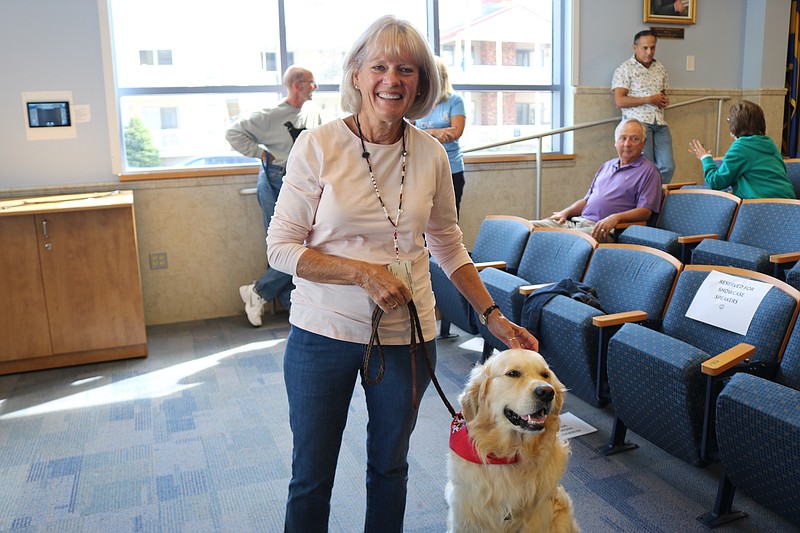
x=365 y=155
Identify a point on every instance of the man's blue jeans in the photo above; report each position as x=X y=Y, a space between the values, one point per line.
x=658 y=149
x=320 y=375
x=273 y=284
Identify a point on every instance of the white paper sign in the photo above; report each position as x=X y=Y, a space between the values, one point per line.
x=572 y=426
x=728 y=302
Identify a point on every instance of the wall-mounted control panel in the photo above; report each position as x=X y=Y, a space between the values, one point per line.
x=48 y=115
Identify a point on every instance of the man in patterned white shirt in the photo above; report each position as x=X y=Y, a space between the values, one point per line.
x=640 y=86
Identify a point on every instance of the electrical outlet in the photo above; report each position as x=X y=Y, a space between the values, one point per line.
x=158 y=260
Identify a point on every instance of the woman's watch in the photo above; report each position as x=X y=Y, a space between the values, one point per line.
x=484 y=317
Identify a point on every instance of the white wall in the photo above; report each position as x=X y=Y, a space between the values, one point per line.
x=52 y=45
x=736 y=43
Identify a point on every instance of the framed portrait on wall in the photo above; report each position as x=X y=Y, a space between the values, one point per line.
x=670 y=11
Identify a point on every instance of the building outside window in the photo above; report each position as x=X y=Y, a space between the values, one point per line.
x=498 y=52
x=146 y=57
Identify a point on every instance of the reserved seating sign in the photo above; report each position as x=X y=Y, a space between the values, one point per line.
x=728 y=302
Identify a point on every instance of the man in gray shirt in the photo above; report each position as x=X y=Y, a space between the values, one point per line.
x=269 y=135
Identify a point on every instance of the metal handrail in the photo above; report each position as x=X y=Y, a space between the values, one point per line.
x=583 y=125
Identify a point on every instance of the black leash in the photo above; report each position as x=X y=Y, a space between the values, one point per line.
x=416 y=331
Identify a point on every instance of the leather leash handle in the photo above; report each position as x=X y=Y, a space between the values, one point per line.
x=416 y=332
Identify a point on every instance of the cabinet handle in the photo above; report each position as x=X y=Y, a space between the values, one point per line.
x=47 y=245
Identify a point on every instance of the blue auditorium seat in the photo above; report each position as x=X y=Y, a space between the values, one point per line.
x=758 y=435
x=765 y=237
x=687 y=217
x=500 y=242
x=552 y=254
x=632 y=283
x=663 y=381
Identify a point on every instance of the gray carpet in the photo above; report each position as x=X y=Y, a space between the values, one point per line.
x=195 y=438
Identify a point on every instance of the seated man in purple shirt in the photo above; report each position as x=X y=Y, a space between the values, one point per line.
x=625 y=189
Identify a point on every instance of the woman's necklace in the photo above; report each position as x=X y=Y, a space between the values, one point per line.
x=365 y=155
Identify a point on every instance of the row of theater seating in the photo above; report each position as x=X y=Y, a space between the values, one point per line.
x=702 y=226
x=644 y=355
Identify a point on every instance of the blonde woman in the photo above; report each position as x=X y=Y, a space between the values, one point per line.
x=365 y=200
x=446 y=124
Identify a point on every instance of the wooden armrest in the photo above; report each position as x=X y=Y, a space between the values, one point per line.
x=615 y=319
x=527 y=289
x=623 y=225
x=788 y=257
x=692 y=239
x=728 y=359
x=490 y=264
x=676 y=185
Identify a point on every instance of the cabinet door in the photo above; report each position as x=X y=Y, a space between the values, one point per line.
x=91 y=279
x=24 y=332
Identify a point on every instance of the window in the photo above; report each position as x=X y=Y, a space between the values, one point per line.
x=269 y=61
x=165 y=57
x=169 y=118
x=148 y=57
x=525 y=114
x=186 y=88
x=507 y=78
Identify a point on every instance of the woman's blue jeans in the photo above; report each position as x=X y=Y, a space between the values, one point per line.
x=320 y=375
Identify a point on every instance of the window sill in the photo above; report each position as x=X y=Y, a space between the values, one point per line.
x=245 y=170
x=189 y=173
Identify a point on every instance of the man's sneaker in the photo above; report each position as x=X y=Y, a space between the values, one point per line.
x=253 y=303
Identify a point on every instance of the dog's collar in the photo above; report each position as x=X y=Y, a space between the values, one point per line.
x=464 y=446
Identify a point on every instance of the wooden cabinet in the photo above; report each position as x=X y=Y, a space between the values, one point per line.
x=70 y=287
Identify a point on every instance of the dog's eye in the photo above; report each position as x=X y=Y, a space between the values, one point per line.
x=513 y=373
x=545 y=375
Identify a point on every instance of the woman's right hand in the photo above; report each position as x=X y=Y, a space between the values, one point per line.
x=387 y=291
x=697 y=149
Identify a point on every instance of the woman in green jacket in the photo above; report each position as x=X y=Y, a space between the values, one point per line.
x=753 y=167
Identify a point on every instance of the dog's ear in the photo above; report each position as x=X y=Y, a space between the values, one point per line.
x=470 y=398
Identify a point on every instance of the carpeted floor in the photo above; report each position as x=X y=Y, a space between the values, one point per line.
x=195 y=438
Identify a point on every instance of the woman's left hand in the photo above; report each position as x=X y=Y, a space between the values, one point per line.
x=511 y=334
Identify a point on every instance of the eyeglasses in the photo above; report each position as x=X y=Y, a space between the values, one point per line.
x=312 y=82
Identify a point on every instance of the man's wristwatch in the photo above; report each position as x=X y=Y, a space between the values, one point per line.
x=484 y=317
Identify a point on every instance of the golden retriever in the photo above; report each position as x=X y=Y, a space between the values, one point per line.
x=510 y=407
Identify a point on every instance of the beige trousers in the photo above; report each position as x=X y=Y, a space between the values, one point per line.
x=578 y=223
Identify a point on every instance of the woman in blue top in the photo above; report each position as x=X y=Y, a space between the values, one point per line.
x=753 y=167
x=446 y=124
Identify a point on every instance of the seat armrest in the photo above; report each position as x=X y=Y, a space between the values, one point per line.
x=728 y=359
x=788 y=257
x=490 y=264
x=527 y=289
x=623 y=225
x=693 y=239
x=676 y=185
x=616 y=319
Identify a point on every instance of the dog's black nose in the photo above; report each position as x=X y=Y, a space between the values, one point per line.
x=544 y=393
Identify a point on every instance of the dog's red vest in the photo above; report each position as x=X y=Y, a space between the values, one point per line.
x=464 y=446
